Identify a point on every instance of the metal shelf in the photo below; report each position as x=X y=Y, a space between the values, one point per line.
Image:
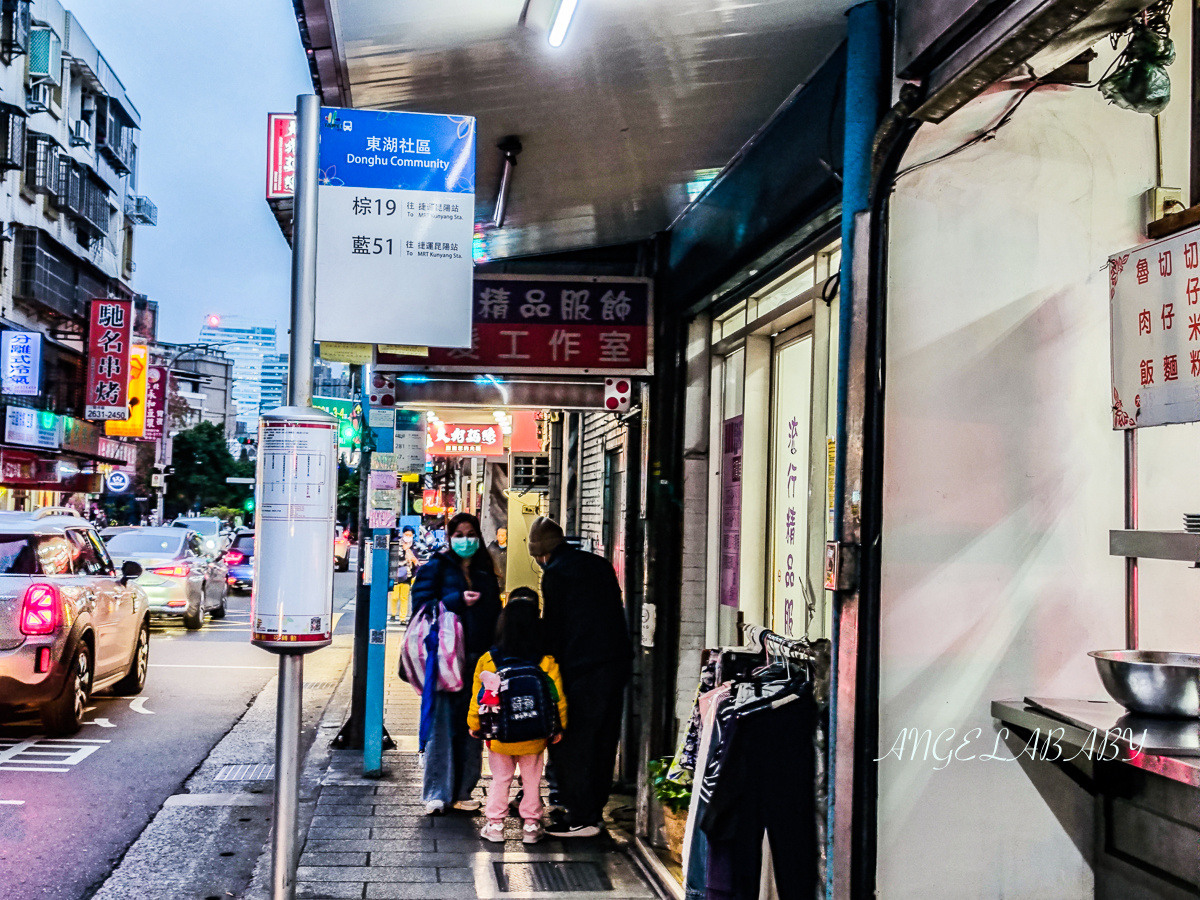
x=1181 y=545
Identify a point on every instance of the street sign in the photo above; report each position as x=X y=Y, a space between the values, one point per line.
x=410 y=441
x=395 y=220
x=235 y=480
x=549 y=324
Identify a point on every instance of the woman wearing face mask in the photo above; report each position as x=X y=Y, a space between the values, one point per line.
x=462 y=577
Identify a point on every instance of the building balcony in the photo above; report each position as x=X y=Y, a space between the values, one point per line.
x=140 y=210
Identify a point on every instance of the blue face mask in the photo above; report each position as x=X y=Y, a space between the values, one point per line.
x=464 y=547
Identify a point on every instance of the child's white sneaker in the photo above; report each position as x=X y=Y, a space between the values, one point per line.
x=531 y=832
x=493 y=831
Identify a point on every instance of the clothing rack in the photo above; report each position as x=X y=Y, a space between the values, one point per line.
x=758 y=637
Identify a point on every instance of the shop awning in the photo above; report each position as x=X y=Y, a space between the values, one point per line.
x=621 y=125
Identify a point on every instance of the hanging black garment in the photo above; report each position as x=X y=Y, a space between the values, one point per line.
x=766 y=782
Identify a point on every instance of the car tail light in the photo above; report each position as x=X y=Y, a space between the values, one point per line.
x=174 y=571
x=235 y=557
x=41 y=612
x=346 y=534
x=176 y=603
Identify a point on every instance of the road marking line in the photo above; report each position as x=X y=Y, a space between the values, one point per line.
x=29 y=769
x=103 y=723
x=12 y=802
x=181 y=666
x=138 y=705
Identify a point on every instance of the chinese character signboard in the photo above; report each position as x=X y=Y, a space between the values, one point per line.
x=465 y=440
x=109 y=328
x=135 y=425
x=395 y=220
x=156 y=403
x=551 y=324
x=1154 y=291
x=411 y=441
x=281 y=155
x=33 y=428
x=21 y=363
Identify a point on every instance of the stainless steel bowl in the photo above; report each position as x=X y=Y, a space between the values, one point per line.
x=1153 y=682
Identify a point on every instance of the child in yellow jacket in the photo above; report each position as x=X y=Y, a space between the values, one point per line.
x=518 y=636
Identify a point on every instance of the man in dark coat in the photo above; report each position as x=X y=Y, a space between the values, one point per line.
x=585 y=630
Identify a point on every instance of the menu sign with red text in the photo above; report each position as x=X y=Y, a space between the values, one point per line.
x=110 y=327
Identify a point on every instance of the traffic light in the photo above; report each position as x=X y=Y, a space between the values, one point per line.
x=349 y=432
x=248 y=506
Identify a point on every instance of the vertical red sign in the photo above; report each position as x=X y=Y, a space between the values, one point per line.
x=110 y=328
x=281 y=155
x=156 y=403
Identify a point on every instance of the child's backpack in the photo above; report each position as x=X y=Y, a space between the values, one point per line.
x=528 y=702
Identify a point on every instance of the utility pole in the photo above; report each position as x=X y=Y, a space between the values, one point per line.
x=300 y=379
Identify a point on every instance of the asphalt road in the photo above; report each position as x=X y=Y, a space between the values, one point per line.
x=62 y=831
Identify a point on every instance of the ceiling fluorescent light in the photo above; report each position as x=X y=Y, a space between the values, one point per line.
x=561 y=21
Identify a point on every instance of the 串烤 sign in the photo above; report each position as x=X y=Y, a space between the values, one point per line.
x=21 y=363
x=110 y=326
x=395 y=220
x=1154 y=293
x=570 y=325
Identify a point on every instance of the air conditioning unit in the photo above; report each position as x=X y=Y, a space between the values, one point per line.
x=40 y=97
x=81 y=133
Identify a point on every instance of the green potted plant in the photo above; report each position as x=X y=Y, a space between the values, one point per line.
x=674 y=796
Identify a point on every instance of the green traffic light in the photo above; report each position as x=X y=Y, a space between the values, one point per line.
x=248 y=506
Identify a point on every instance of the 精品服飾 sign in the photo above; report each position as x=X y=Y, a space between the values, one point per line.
x=571 y=325
x=110 y=326
x=395 y=220
x=1154 y=293
x=21 y=363
x=465 y=440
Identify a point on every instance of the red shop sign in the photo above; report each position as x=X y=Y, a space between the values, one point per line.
x=281 y=155
x=110 y=328
x=465 y=440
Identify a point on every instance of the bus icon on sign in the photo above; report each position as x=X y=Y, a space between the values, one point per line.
x=118 y=482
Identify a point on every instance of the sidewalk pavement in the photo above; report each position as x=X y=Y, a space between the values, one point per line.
x=372 y=839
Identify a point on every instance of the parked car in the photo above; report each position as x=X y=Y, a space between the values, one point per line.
x=212 y=531
x=71 y=622
x=240 y=559
x=180 y=576
x=341 y=548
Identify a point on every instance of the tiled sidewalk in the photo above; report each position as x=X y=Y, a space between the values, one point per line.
x=372 y=839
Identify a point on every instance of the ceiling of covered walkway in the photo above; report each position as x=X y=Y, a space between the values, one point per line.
x=641 y=96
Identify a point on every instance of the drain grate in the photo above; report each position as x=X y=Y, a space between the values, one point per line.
x=550 y=877
x=260 y=772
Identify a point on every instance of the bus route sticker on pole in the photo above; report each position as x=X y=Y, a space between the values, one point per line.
x=297 y=492
x=395 y=221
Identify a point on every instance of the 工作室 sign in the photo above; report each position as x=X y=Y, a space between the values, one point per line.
x=550 y=324
x=110 y=326
x=395 y=221
x=1154 y=293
